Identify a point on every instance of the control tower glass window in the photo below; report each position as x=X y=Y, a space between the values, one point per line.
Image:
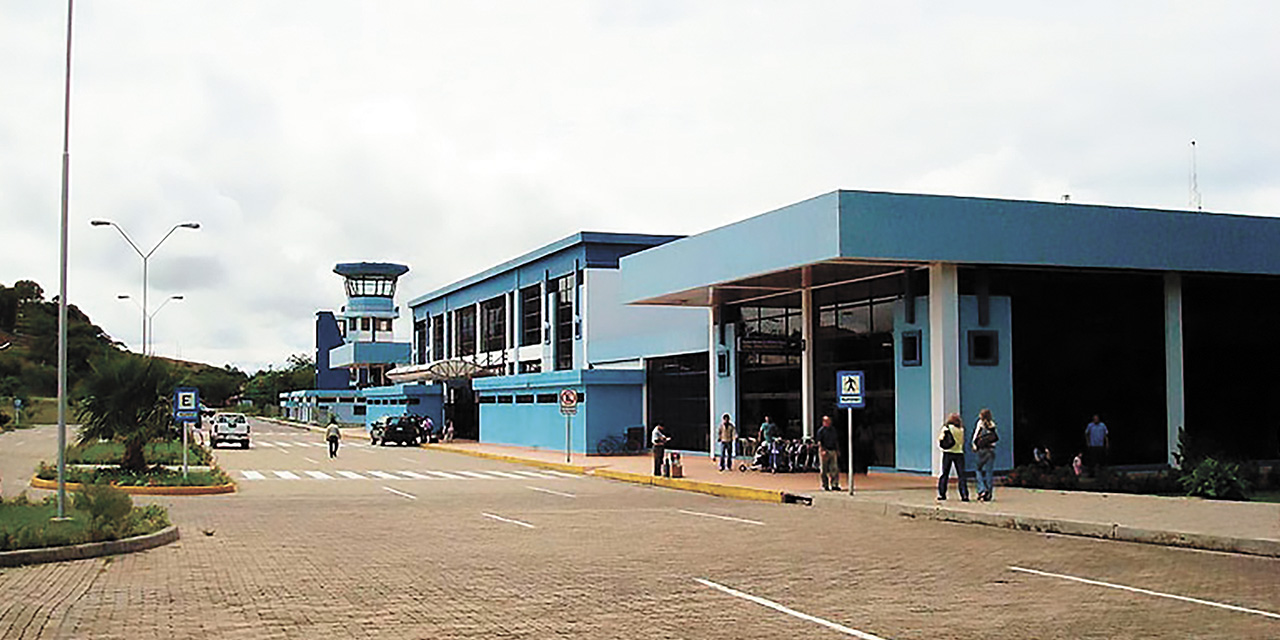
x=371 y=286
x=493 y=324
x=530 y=315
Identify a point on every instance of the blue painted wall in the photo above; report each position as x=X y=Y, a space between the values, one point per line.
x=988 y=386
x=612 y=402
x=328 y=337
x=912 y=400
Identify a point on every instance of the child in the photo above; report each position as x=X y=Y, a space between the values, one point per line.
x=1077 y=465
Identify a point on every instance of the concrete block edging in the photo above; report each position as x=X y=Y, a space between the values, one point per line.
x=89 y=550
x=143 y=490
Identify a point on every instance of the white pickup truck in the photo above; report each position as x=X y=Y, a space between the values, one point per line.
x=230 y=427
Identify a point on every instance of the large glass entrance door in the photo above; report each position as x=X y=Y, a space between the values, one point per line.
x=858 y=336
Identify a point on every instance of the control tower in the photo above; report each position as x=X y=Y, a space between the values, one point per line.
x=366 y=324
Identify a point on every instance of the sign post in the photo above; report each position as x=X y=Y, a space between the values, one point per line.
x=186 y=409
x=851 y=386
x=568 y=408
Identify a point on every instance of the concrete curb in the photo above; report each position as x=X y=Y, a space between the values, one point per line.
x=137 y=490
x=1084 y=529
x=696 y=486
x=89 y=550
x=557 y=466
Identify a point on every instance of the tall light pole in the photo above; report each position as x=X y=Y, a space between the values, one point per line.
x=146 y=257
x=147 y=347
x=62 y=282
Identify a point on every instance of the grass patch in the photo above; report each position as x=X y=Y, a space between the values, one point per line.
x=155 y=453
x=153 y=477
x=29 y=525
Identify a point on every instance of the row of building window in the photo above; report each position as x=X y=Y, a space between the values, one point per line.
x=493 y=331
x=527 y=398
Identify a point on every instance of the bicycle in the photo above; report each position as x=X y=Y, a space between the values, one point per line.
x=618 y=445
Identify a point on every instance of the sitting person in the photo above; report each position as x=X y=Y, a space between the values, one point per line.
x=1043 y=457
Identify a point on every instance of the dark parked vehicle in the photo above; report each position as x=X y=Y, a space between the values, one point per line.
x=402 y=430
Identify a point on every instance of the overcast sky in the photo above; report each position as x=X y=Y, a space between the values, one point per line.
x=452 y=136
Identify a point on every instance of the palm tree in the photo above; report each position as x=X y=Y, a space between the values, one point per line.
x=126 y=398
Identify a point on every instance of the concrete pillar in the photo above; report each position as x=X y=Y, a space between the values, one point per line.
x=808 y=402
x=712 y=420
x=1175 y=406
x=944 y=347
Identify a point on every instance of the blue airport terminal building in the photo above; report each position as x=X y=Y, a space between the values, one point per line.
x=1046 y=313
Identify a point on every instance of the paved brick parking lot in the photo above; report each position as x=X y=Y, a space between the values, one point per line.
x=590 y=558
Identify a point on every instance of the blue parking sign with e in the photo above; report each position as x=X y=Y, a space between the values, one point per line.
x=186 y=403
x=850 y=390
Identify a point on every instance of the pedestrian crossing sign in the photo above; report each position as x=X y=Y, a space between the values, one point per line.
x=850 y=386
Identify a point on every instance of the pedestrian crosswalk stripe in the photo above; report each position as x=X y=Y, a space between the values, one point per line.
x=416 y=475
x=534 y=474
x=252 y=475
x=504 y=474
x=351 y=474
x=559 y=473
x=384 y=475
x=319 y=475
x=474 y=474
x=445 y=474
x=286 y=475
x=282 y=444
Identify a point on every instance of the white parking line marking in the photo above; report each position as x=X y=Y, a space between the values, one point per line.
x=789 y=611
x=712 y=515
x=286 y=475
x=554 y=493
x=504 y=474
x=384 y=475
x=1112 y=585
x=401 y=493
x=474 y=474
x=252 y=475
x=523 y=524
x=319 y=475
x=415 y=475
x=351 y=474
x=446 y=474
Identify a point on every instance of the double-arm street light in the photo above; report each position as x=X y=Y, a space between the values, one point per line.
x=148 y=348
x=145 y=258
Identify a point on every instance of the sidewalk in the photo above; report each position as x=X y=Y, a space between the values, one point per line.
x=1238 y=527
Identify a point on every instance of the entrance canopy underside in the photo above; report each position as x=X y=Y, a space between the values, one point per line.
x=846 y=235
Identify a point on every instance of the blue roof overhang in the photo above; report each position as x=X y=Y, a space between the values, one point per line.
x=850 y=235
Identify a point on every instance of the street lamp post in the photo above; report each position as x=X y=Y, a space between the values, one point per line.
x=148 y=347
x=146 y=257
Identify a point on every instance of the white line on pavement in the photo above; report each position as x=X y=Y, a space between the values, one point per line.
x=319 y=475
x=560 y=473
x=712 y=515
x=446 y=474
x=401 y=493
x=282 y=444
x=789 y=611
x=523 y=524
x=286 y=475
x=252 y=475
x=534 y=474
x=384 y=475
x=504 y=474
x=415 y=475
x=1112 y=585
x=554 y=493
x=311 y=460
x=409 y=459
x=351 y=474
x=475 y=474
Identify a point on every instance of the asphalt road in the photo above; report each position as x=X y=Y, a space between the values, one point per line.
x=438 y=545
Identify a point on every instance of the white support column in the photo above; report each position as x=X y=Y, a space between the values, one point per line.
x=944 y=347
x=808 y=403
x=1175 y=405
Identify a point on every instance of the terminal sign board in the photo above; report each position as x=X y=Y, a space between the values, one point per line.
x=851 y=390
x=186 y=404
x=569 y=402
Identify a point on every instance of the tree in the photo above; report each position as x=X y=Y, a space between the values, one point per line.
x=265 y=387
x=126 y=398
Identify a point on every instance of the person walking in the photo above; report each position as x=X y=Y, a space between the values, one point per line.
x=984 y=444
x=728 y=434
x=951 y=440
x=829 y=455
x=659 y=441
x=333 y=435
x=1096 y=441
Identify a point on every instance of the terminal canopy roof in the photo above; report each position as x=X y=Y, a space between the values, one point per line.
x=850 y=235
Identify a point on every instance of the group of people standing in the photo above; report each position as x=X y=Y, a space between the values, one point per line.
x=952 y=441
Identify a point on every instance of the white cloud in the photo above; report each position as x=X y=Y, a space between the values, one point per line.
x=454 y=136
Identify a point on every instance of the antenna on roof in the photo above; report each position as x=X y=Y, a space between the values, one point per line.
x=1194 y=195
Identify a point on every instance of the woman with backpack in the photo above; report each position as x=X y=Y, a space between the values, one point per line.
x=951 y=440
x=984 y=444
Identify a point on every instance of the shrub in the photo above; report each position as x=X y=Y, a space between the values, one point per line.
x=1216 y=480
x=108 y=510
